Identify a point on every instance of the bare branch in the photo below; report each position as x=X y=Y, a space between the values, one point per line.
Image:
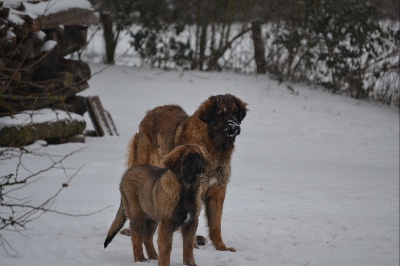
x=4 y=243
x=17 y=212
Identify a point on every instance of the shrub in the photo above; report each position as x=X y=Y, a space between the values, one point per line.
x=340 y=45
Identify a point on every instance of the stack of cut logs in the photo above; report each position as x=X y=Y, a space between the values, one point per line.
x=34 y=73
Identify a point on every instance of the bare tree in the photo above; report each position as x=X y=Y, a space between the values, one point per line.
x=115 y=16
x=259 y=50
x=214 y=20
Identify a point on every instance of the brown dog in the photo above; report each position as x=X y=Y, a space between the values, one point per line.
x=171 y=196
x=214 y=126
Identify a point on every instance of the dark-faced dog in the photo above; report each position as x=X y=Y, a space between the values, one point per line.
x=213 y=126
x=169 y=196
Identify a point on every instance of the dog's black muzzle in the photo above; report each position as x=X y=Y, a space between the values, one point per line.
x=196 y=169
x=232 y=128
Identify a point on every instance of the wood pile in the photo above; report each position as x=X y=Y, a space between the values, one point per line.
x=36 y=36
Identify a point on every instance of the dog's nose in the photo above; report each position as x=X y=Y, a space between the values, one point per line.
x=201 y=169
x=197 y=169
x=233 y=128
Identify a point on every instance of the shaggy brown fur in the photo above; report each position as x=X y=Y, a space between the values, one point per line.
x=214 y=126
x=171 y=196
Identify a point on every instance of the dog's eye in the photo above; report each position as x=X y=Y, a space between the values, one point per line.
x=187 y=159
x=222 y=112
x=192 y=157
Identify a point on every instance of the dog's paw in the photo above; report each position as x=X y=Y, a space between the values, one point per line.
x=152 y=255
x=153 y=258
x=125 y=232
x=225 y=248
x=200 y=241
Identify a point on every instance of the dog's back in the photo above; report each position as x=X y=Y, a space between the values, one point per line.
x=156 y=136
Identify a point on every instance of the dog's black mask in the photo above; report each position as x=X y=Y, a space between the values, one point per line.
x=193 y=167
x=223 y=116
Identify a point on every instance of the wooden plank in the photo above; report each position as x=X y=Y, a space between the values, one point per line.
x=101 y=119
x=111 y=123
x=94 y=117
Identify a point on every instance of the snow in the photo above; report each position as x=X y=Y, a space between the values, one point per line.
x=38 y=116
x=55 y=6
x=40 y=35
x=10 y=35
x=49 y=45
x=35 y=10
x=15 y=18
x=315 y=176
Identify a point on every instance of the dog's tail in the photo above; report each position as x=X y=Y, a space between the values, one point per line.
x=132 y=150
x=119 y=221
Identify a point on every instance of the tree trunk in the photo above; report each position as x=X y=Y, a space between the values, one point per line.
x=259 y=51
x=203 y=42
x=217 y=54
x=108 y=34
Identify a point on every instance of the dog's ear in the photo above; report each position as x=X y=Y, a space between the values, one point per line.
x=242 y=108
x=172 y=160
x=207 y=110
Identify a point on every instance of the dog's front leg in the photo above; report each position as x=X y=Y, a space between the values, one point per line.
x=188 y=235
x=214 y=203
x=165 y=233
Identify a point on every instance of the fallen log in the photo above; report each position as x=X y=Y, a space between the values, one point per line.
x=44 y=95
x=64 y=71
x=74 y=104
x=69 y=17
x=44 y=124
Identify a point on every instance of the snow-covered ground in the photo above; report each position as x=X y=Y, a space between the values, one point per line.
x=315 y=177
